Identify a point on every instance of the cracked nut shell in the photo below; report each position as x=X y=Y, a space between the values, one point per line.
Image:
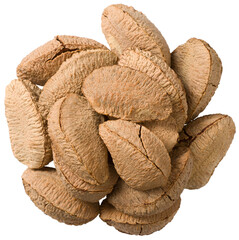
x=208 y=138
x=79 y=188
x=45 y=189
x=43 y=62
x=158 y=70
x=165 y=130
x=143 y=203
x=79 y=144
x=125 y=27
x=137 y=225
x=140 y=157
x=69 y=77
x=27 y=129
x=200 y=69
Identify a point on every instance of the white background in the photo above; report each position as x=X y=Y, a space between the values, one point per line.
x=209 y=213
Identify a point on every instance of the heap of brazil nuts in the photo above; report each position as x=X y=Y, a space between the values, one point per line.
x=117 y=123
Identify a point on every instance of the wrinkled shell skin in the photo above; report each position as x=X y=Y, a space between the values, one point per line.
x=125 y=27
x=43 y=62
x=118 y=124
x=63 y=146
x=124 y=93
x=69 y=77
x=140 y=158
x=27 y=129
x=79 y=144
x=48 y=193
x=79 y=188
x=165 y=130
x=208 y=138
x=200 y=69
x=145 y=203
x=158 y=70
x=137 y=225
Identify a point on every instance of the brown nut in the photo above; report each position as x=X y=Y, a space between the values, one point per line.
x=158 y=70
x=79 y=188
x=79 y=144
x=137 y=225
x=48 y=193
x=208 y=138
x=43 y=62
x=143 y=203
x=125 y=27
x=69 y=77
x=165 y=130
x=200 y=69
x=140 y=158
x=127 y=94
x=28 y=130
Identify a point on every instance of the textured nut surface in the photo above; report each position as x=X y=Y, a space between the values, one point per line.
x=158 y=70
x=137 y=225
x=127 y=94
x=43 y=62
x=208 y=138
x=69 y=77
x=125 y=27
x=199 y=68
x=119 y=124
x=79 y=188
x=48 y=193
x=142 y=203
x=165 y=130
x=140 y=158
x=27 y=129
x=79 y=144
